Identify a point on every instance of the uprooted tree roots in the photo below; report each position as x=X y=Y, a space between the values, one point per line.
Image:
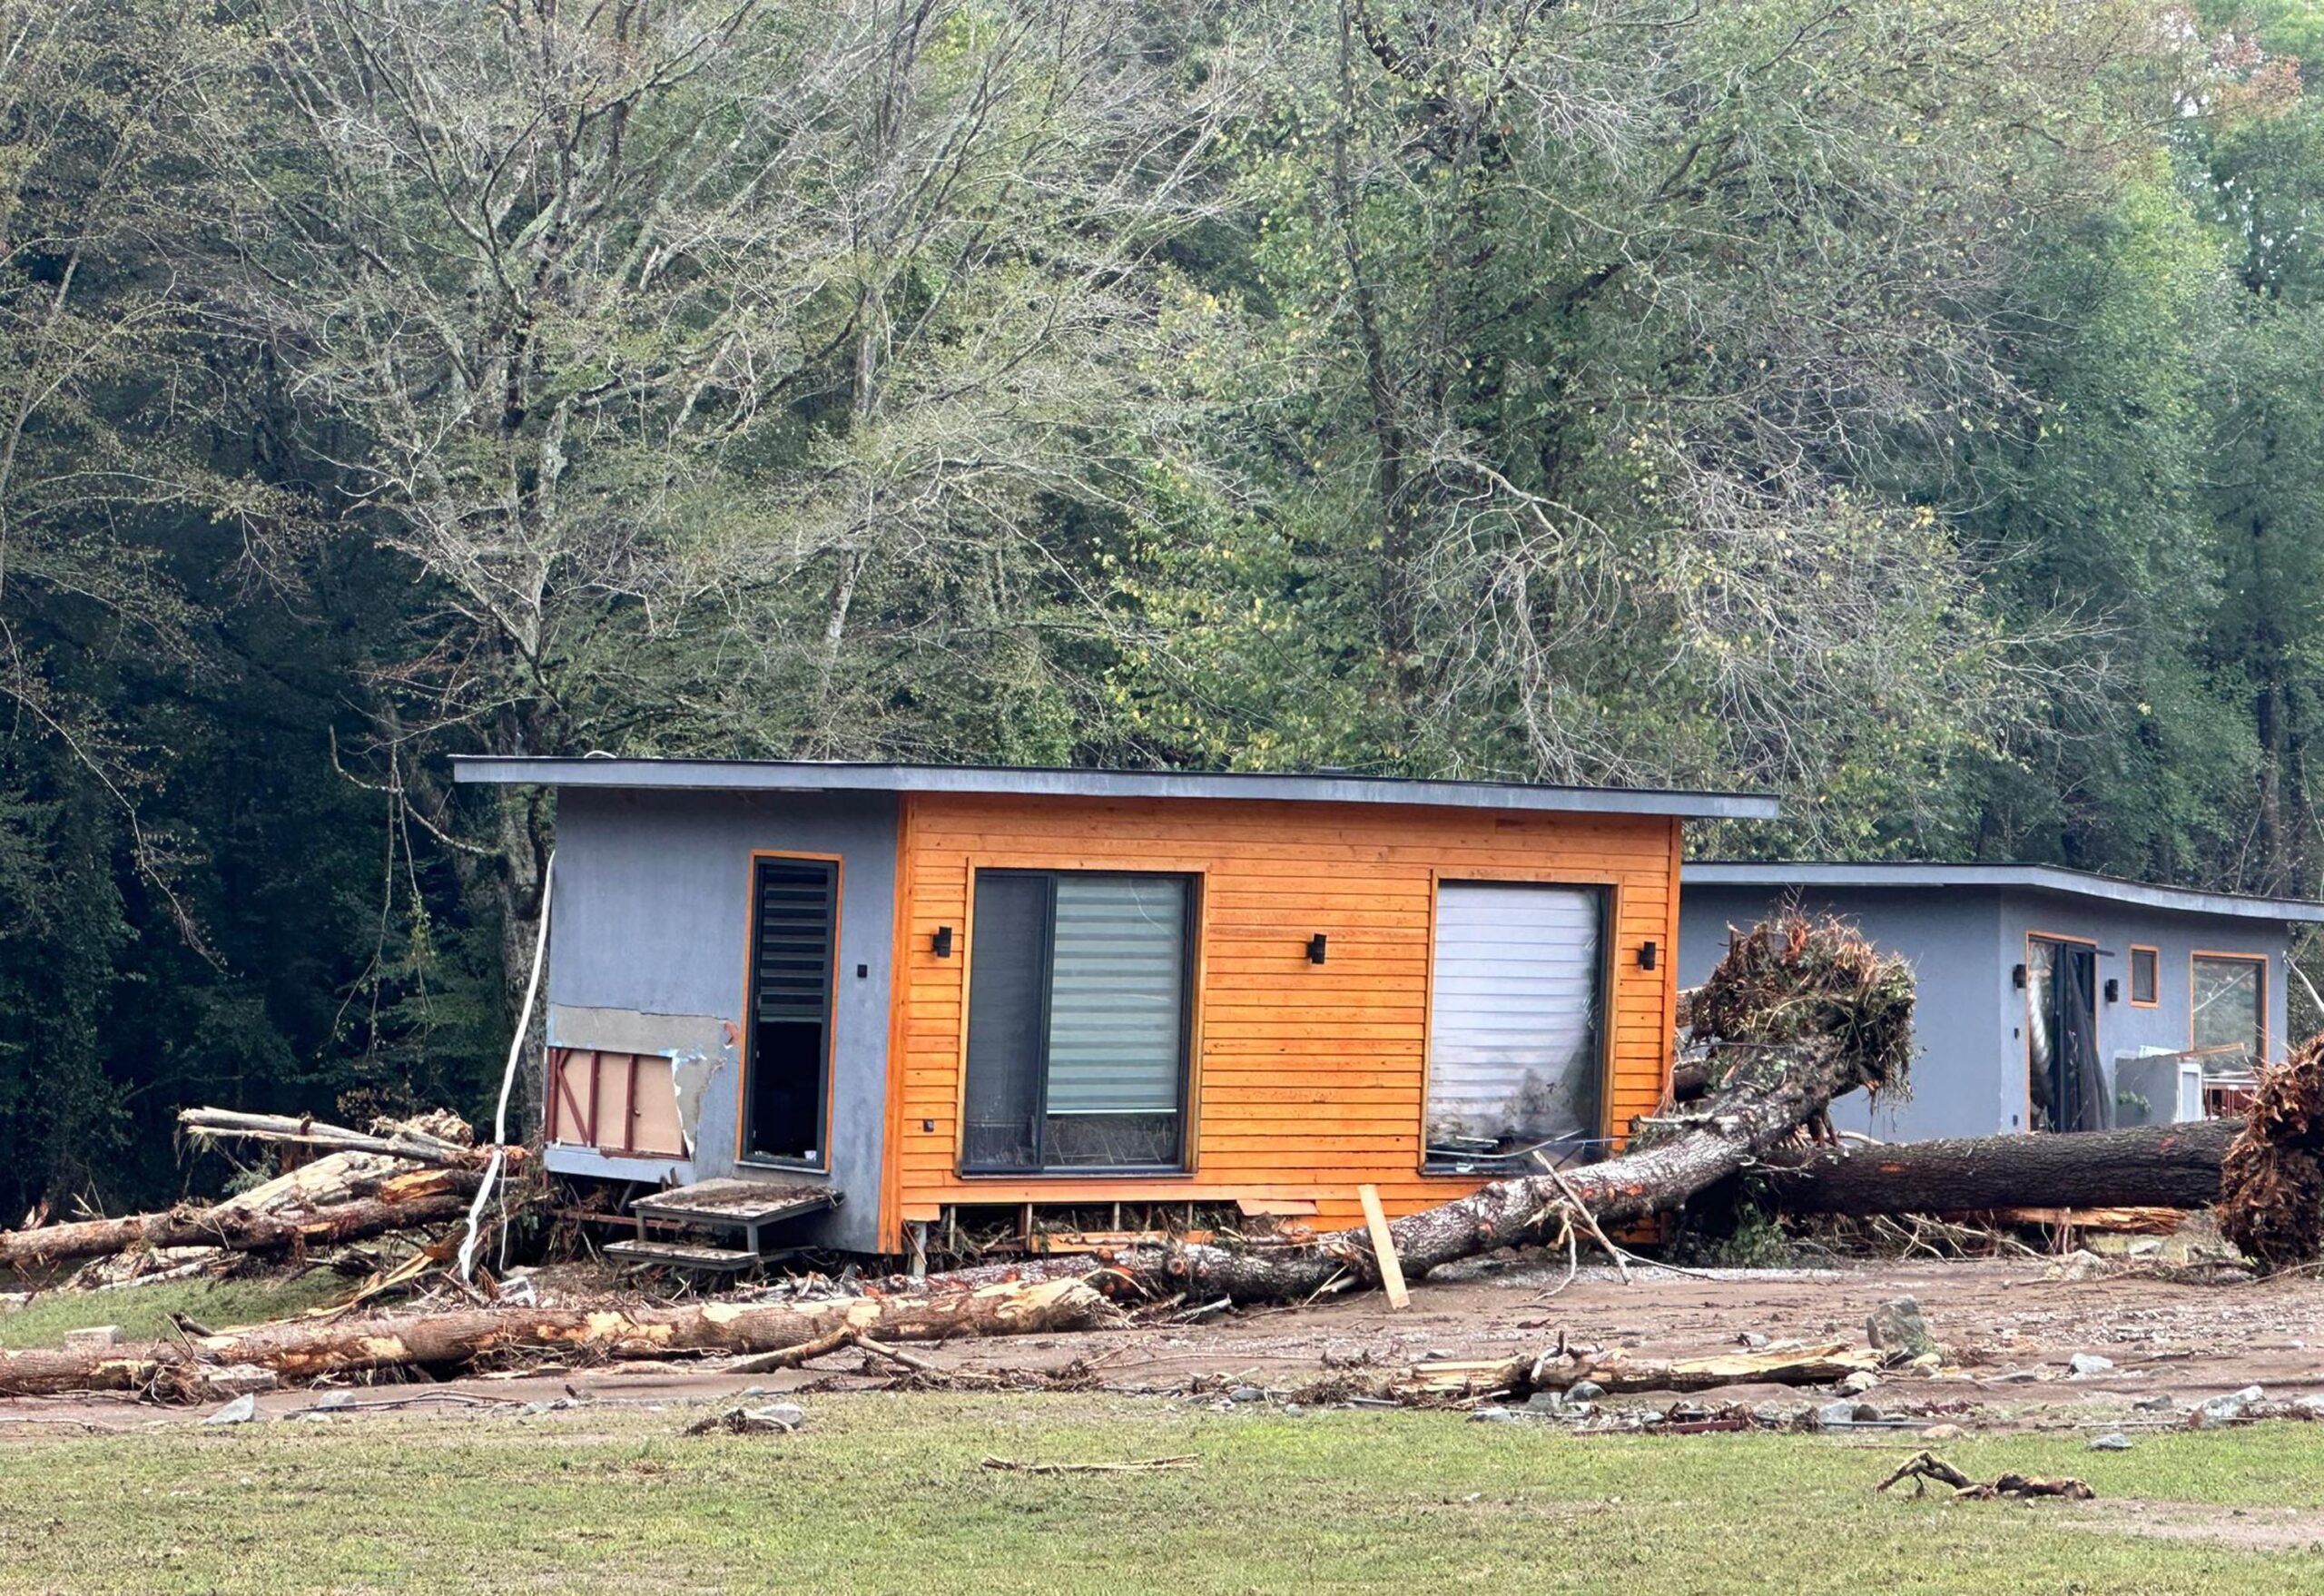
x=2271 y=1182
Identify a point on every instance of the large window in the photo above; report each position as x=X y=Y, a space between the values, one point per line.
x=1078 y=987
x=2230 y=999
x=1516 y=1056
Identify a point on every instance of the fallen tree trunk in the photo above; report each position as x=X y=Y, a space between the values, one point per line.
x=2154 y=1166
x=1616 y=1370
x=326 y=1201
x=448 y=1341
x=418 y=1141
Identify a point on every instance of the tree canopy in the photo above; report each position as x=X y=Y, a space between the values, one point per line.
x=1907 y=406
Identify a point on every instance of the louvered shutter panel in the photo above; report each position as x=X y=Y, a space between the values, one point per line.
x=791 y=952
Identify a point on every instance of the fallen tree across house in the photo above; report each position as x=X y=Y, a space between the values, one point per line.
x=444 y=1341
x=1799 y=1012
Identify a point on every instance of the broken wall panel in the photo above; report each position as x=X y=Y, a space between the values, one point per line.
x=619 y=1103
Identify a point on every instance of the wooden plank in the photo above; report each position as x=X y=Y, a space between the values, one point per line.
x=1384 y=1248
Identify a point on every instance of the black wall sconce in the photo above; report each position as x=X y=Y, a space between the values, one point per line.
x=1646 y=955
x=2113 y=990
x=2017 y=976
x=943 y=942
x=1315 y=945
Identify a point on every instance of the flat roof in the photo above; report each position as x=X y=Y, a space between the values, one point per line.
x=786 y=775
x=2039 y=878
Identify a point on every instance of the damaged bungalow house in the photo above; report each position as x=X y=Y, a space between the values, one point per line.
x=2048 y=999
x=846 y=1005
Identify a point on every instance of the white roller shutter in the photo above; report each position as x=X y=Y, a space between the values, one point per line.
x=1513 y=1054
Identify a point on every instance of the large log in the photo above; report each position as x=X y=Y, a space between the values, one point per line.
x=2155 y=1165
x=420 y=1141
x=343 y=1198
x=303 y=1350
x=1617 y=1369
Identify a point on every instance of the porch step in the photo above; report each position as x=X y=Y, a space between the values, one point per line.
x=731 y=1204
x=677 y=1254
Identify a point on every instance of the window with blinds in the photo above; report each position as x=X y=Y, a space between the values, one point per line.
x=1078 y=999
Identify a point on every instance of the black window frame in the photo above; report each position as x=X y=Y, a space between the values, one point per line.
x=827 y=1015
x=1189 y=939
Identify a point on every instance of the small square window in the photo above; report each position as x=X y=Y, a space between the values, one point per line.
x=2143 y=978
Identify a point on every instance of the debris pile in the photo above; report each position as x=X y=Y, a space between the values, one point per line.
x=1924 y=1466
x=2271 y=1184
x=398 y=1176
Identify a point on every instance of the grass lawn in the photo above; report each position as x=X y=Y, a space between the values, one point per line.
x=142 y=1312
x=883 y=1492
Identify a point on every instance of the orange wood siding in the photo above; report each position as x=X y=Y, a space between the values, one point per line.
x=1306 y=1079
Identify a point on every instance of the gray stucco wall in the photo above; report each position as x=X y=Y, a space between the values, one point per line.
x=2123 y=1025
x=1953 y=939
x=647 y=951
x=1969 y=1079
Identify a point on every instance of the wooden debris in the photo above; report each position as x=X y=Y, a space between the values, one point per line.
x=777 y=1419
x=1616 y=1369
x=342 y=1197
x=306 y=1350
x=1384 y=1248
x=1924 y=1466
x=1145 y=1465
x=440 y=1139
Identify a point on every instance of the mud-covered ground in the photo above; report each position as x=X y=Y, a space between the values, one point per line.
x=2007 y=1328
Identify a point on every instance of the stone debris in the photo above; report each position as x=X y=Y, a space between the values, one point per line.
x=242 y=1409
x=2232 y=1408
x=1899 y=1328
x=2083 y=1364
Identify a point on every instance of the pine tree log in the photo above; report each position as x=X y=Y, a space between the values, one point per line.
x=2154 y=1166
x=306 y=1349
x=343 y=1198
x=436 y=1139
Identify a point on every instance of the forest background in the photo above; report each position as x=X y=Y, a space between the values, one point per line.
x=1909 y=407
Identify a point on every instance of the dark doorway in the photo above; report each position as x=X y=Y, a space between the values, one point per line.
x=2064 y=1080
x=794 y=912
